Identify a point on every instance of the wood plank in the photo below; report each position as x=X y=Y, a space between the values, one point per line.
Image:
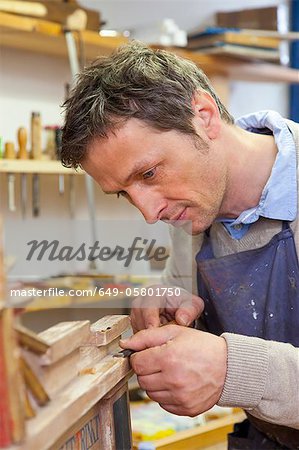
x=14 y=381
x=73 y=402
x=47 y=38
x=63 y=338
x=61 y=12
x=36 y=166
x=56 y=376
x=237 y=69
x=41 y=36
x=72 y=438
x=108 y=328
x=5 y=419
x=31 y=340
x=33 y=384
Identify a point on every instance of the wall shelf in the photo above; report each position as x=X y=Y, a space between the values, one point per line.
x=36 y=166
x=41 y=36
x=44 y=37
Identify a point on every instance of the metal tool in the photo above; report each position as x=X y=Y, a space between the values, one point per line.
x=36 y=153
x=124 y=353
x=35 y=195
x=75 y=69
x=58 y=138
x=23 y=154
x=9 y=153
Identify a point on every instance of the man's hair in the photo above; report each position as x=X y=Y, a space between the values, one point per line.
x=136 y=81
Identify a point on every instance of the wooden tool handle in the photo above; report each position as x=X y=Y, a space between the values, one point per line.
x=36 y=136
x=22 y=140
x=24 y=8
x=9 y=150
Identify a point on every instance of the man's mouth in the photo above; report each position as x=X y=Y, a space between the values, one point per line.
x=179 y=217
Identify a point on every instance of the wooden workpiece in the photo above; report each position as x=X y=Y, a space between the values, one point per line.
x=86 y=387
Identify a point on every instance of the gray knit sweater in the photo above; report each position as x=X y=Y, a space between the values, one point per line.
x=262 y=376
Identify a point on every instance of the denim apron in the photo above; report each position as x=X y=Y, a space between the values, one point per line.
x=254 y=293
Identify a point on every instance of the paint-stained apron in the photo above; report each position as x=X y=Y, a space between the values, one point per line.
x=254 y=293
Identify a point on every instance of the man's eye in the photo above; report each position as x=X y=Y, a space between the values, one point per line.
x=149 y=174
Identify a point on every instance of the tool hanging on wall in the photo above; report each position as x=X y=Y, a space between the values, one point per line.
x=9 y=153
x=72 y=200
x=75 y=69
x=58 y=137
x=23 y=154
x=36 y=153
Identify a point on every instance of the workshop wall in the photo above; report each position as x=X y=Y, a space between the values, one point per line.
x=34 y=82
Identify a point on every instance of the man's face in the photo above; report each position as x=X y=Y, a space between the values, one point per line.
x=167 y=175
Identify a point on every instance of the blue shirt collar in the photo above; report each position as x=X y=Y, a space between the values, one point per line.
x=279 y=196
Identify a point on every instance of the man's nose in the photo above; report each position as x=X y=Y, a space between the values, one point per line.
x=149 y=204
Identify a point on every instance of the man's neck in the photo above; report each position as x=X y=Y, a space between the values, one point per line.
x=250 y=160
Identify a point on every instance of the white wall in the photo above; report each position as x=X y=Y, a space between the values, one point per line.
x=31 y=82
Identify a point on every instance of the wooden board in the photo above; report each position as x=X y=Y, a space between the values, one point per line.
x=14 y=385
x=73 y=403
x=56 y=376
x=45 y=37
x=96 y=429
x=62 y=13
x=5 y=419
x=63 y=338
x=108 y=328
x=35 y=166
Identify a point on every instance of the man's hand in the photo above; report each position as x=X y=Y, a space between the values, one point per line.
x=181 y=368
x=153 y=311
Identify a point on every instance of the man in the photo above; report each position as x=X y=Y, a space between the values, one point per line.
x=148 y=126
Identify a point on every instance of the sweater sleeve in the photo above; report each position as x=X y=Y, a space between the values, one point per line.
x=262 y=378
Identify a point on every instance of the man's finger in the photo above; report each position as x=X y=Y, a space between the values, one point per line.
x=147 y=362
x=162 y=397
x=189 y=310
x=175 y=409
x=151 y=317
x=152 y=382
x=142 y=318
x=152 y=337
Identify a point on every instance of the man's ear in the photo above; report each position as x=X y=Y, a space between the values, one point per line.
x=206 y=114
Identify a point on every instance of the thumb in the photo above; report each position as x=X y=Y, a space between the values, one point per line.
x=189 y=310
x=151 y=337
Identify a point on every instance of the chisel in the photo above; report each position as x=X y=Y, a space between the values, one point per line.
x=124 y=353
x=23 y=154
x=9 y=153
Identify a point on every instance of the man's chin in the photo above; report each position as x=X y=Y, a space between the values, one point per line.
x=198 y=228
x=190 y=227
